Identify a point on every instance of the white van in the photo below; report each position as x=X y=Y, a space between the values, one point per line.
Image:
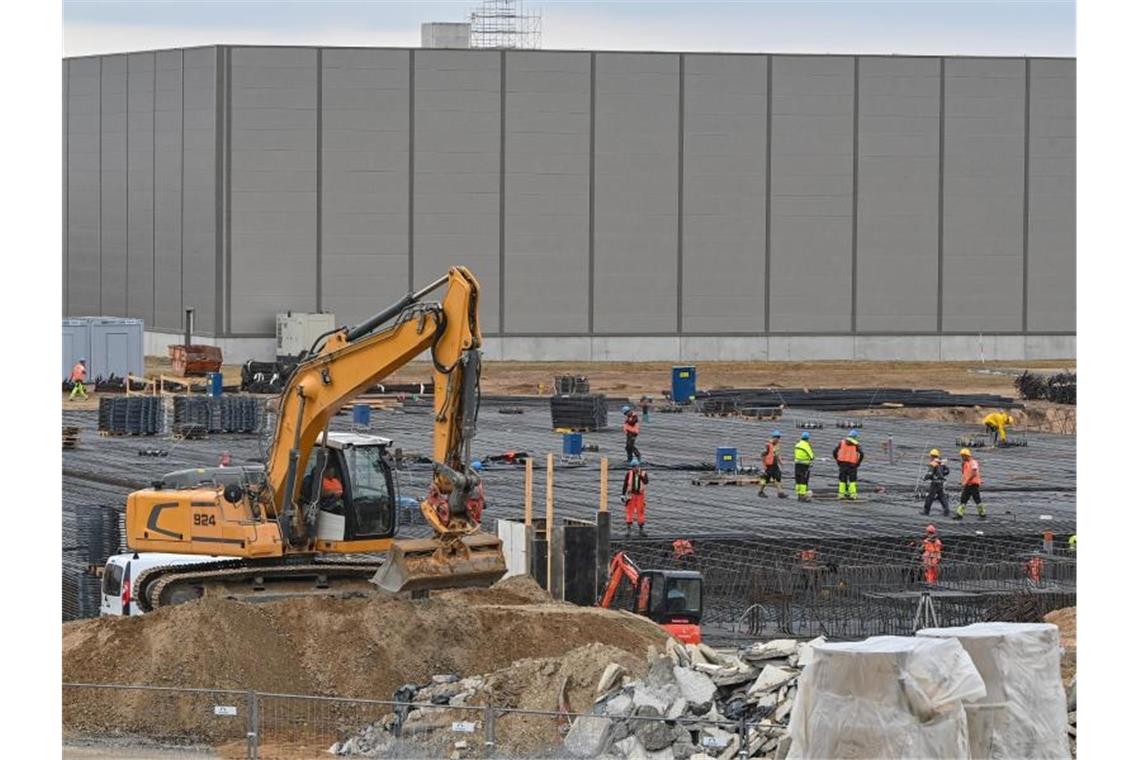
x=117 y=597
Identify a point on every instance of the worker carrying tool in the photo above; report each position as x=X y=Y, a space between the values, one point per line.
x=936 y=473
x=633 y=496
x=849 y=455
x=971 y=485
x=772 y=472
x=931 y=555
x=996 y=423
x=632 y=428
x=804 y=456
x=78 y=379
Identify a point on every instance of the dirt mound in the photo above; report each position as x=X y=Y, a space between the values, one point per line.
x=1066 y=620
x=1036 y=417
x=348 y=647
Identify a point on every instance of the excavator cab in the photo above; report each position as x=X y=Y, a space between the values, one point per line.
x=364 y=510
x=674 y=600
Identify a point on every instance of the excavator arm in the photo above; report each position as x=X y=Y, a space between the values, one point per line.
x=621 y=566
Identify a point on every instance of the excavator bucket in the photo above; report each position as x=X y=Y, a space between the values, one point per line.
x=427 y=564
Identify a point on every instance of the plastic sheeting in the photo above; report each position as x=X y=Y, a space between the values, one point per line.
x=886 y=697
x=1023 y=713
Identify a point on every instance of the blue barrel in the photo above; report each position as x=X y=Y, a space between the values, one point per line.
x=684 y=384
x=361 y=414
x=214 y=384
x=726 y=459
x=572 y=444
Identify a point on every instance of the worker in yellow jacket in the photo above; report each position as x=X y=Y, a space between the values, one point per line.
x=996 y=423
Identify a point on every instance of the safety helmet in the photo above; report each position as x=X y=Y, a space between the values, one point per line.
x=931 y=530
x=852 y=433
x=476 y=465
x=625 y=409
x=635 y=462
x=775 y=433
x=82 y=360
x=964 y=453
x=805 y=435
x=935 y=453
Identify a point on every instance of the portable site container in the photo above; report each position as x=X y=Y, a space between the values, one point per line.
x=111 y=345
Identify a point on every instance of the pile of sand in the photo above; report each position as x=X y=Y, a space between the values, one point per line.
x=1066 y=621
x=348 y=647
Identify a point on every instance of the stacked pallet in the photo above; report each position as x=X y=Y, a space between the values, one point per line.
x=580 y=413
x=70 y=436
x=131 y=415
x=226 y=414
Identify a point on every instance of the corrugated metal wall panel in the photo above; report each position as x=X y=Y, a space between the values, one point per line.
x=635 y=192
x=983 y=196
x=113 y=186
x=1052 y=195
x=897 y=260
x=273 y=185
x=547 y=204
x=456 y=206
x=724 y=205
x=168 y=163
x=199 y=178
x=812 y=180
x=140 y=186
x=364 y=175
x=83 y=219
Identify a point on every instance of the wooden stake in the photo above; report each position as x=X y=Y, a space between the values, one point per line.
x=528 y=488
x=550 y=523
x=604 y=495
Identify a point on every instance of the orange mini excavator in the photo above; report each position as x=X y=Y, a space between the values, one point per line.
x=671 y=598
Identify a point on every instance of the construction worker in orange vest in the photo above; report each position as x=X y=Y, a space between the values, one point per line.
x=78 y=379
x=772 y=473
x=971 y=485
x=931 y=555
x=849 y=455
x=632 y=428
x=633 y=496
x=332 y=492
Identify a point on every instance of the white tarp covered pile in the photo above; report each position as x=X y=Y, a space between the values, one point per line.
x=1023 y=713
x=886 y=697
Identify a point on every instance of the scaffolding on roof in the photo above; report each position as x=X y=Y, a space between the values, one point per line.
x=505 y=25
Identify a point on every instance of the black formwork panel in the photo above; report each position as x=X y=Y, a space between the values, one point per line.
x=580 y=555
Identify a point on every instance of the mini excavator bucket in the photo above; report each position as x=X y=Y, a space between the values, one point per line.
x=429 y=564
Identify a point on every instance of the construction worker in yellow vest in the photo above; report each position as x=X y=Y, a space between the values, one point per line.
x=804 y=456
x=996 y=423
x=78 y=379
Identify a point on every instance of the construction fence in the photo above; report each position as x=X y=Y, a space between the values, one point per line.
x=254 y=724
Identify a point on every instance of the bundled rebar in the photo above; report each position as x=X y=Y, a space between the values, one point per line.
x=225 y=414
x=131 y=415
x=581 y=412
x=1060 y=388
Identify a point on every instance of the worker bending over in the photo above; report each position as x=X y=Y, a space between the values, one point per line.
x=632 y=428
x=772 y=472
x=804 y=457
x=633 y=496
x=936 y=473
x=78 y=379
x=971 y=485
x=849 y=455
x=931 y=555
x=996 y=423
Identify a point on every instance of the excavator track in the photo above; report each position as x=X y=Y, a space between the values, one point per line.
x=236 y=579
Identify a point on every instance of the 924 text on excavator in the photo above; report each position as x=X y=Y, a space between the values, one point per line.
x=271 y=530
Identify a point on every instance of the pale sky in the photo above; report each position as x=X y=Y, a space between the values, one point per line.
x=930 y=27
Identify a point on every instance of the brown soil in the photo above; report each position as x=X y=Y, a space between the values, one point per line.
x=1066 y=620
x=346 y=647
x=1037 y=416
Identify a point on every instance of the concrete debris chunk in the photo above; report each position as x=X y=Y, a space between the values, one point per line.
x=695 y=686
x=588 y=736
x=805 y=651
x=619 y=706
x=654 y=735
x=447 y=678
x=631 y=748
x=695 y=655
x=643 y=696
x=610 y=677
x=776 y=649
x=771 y=678
x=711 y=655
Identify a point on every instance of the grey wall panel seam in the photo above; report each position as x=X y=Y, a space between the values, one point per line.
x=99 y=132
x=154 y=190
x=855 y=200
x=320 y=169
x=182 y=183
x=593 y=138
x=127 y=189
x=66 y=188
x=768 y=201
x=1025 y=214
x=941 y=180
x=228 y=220
x=219 y=186
x=502 y=189
x=562 y=336
x=411 y=170
x=680 y=191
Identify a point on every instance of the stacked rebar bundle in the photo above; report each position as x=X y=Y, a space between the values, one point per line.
x=846 y=399
x=91 y=533
x=1060 y=388
x=227 y=414
x=131 y=415
x=585 y=412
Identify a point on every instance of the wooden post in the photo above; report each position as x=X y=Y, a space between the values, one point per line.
x=602 y=539
x=604 y=492
x=550 y=523
x=528 y=489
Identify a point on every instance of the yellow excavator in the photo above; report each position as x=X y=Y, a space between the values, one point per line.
x=285 y=529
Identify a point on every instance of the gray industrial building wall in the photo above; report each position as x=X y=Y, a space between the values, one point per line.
x=643 y=205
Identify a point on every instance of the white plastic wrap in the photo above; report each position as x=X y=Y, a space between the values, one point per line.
x=886 y=697
x=1024 y=712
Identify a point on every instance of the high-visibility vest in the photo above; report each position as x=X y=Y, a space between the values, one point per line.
x=971 y=472
x=932 y=551
x=848 y=452
x=635 y=481
x=330 y=486
x=632 y=426
x=770 y=453
x=804 y=454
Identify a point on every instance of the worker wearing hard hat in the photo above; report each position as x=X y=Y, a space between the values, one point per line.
x=804 y=456
x=848 y=454
x=1073 y=543
x=78 y=379
x=772 y=472
x=936 y=473
x=633 y=496
x=931 y=555
x=632 y=428
x=996 y=423
x=971 y=485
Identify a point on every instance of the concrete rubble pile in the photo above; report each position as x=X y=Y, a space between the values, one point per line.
x=702 y=694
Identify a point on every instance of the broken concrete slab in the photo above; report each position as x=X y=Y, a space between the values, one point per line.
x=621 y=705
x=654 y=735
x=588 y=736
x=643 y=696
x=776 y=649
x=771 y=678
x=610 y=677
x=696 y=687
x=805 y=651
x=631 y=748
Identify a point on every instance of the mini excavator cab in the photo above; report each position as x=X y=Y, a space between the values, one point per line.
x=674 y=600
x=365 y=508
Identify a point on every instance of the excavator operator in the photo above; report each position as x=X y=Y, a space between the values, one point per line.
x=332 y=492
